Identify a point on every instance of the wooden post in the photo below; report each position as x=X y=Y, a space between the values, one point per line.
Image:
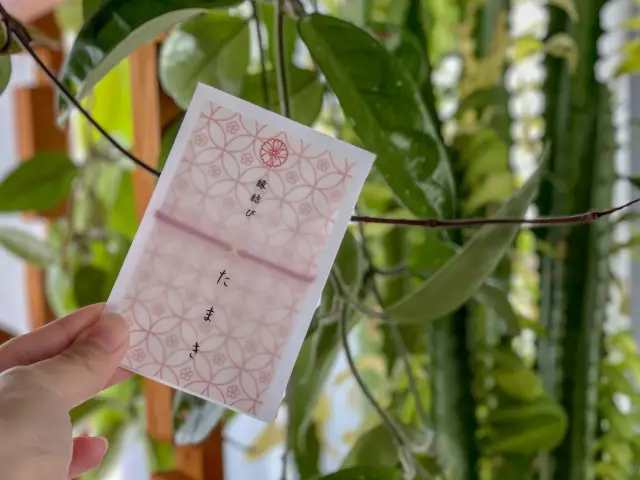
x=37 y=132
x=4 y=337
x=150 y=110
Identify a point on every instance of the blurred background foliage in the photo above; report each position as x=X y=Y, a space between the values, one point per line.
x=479 y=353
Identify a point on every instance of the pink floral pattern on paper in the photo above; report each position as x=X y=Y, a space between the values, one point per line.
x=270 y=267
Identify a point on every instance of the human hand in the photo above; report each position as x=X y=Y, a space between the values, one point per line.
x=43 y=375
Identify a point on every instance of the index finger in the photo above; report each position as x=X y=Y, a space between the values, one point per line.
x=53 y=338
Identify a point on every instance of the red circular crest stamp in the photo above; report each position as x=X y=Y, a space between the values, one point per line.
x=274 y=153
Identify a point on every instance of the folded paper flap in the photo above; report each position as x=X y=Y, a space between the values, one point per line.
x=231 y=257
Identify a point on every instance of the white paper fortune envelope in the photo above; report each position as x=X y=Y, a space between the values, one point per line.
x=229 y=262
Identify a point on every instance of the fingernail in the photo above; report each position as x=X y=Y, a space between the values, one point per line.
x=109 y=333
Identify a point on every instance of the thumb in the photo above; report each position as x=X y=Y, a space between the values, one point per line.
x=82 y=370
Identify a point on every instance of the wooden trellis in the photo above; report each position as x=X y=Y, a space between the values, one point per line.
x=152 y=111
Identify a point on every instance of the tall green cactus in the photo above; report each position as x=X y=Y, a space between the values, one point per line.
x=573 y=281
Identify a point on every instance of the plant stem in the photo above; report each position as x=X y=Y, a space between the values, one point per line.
x=389 y=423
x=396 y=337
x=281 y=68
x=263 y=62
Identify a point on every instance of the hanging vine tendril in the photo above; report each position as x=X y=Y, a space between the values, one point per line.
x=15 y=30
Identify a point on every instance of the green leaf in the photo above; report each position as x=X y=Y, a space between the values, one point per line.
x=5 y=72
x=89 y=7
x=495 y=298
x=305 y=93
x=115 y=30
x=375 y=448
x=365 y=473
x=59 y=289
x=528 y=435
x=89 y=285
x=320 y=350
x=68 y=15
x=202 y=418
x=526 y=46
x=480 y=99
x=520 y=383
x=405 y=47
x=80 y=413
x=568 y=6
x=39 y=184
x=635 y=180
x=385 y=108
x=563 y=45
x=495 y=188
x=26 y=246
x=463 y=275
x=160 y=454
x=212 y=49
x=122 y=216
x=168 y=139
x=617 y=379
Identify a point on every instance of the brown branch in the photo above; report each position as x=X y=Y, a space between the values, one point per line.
x=17 y=30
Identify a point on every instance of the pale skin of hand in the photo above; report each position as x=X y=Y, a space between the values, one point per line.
x=43 y=375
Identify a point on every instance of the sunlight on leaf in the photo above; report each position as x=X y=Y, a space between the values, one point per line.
x=212 y=49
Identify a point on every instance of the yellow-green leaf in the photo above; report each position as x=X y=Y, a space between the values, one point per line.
x=563 y=45
x=526 y=46
x=5 y=72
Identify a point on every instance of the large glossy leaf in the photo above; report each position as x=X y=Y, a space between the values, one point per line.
x=212 y=49
x=26 y=246
x=319 y=352
x=376 y=447
x=116 y=29
x=384 y=106
x=366 y=473
x=5 y=72
x=403 y=45
x=38 y=184
x=305 y=93
x=461 y=277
